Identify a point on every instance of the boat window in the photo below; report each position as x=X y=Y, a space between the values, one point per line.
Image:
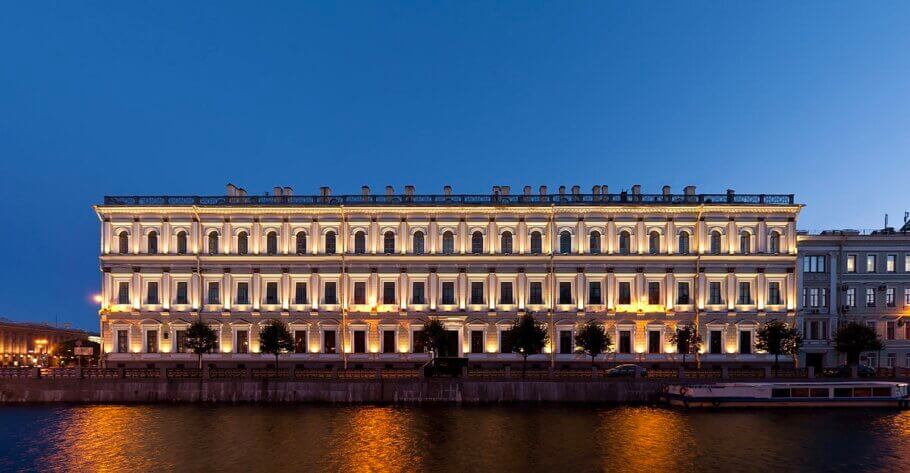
x=862 y=392
x=881 y=392
x=780 y=392
x=818 y=392
x=799 y=392
x=843 y=392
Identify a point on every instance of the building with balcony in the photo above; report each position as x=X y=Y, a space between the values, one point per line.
x=356 y=276
x=848 y=275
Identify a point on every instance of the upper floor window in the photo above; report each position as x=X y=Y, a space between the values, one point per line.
x=360 y=243
x=715 y=242
x=536 y=243
x=388 y=242
x=418 y=246
x=653 y=243
x=123 y=243
x=213 y=243
x=477 y=243
x=448 y=243
x=594 y=243
x=891 y=263
x=683 y=243
x=330 y=242
x=300 y=243
x=870 y=263
x=565 y=293
x=271 y=243
x=745 y=243
x=851 y=263
x=814 y=263
x=243 y=243
x=774 y=243
x=505 y=243
x=653 y=292
x=624 y=243
x=745 y=293
x=181 y=243
x=565 y=242
x=153 y=242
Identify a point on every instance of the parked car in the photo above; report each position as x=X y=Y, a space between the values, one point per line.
x=843 y=371
x=625 y=371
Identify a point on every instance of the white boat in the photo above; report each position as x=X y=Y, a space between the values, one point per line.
x=805 y=394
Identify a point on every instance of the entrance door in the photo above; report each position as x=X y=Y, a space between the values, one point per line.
x=815 y=360
x=450 y=348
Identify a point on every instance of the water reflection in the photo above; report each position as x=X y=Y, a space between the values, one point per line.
x=462 y=439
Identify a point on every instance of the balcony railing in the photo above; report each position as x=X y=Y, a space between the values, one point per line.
x=449 y=200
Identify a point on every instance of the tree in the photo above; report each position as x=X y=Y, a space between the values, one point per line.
x=65 y=351
x=275 y=338
x=433 y=337
x=528 y=338
x=200 y=339
x=687 y=341
x=592 y=340
x=853 y=338
x=776 y=338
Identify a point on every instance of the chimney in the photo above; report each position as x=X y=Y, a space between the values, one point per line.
x=636 y=189
x=231 y=190
x=288 y=191
x=576 y=192
x=496 y=190
x=447 y=191
x=730 y=193
x=241 y=192
x=604 y=190
x=543 y=191
x=365 y=191
x=276 y=191
x=666 y=191
x=409 y=191
x=527 y=191
x=562 y=191
x=325 y=191
x=689 y=191
x=505 y=190
x=389 y=191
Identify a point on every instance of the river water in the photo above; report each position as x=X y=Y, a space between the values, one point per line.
x=565 y=439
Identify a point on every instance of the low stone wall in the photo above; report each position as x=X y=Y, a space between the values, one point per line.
x=327 y=391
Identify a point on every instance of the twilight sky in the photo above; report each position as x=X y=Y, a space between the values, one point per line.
x=811 y=98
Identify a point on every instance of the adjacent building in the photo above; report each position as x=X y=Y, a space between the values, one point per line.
x=29 y=343
x=356 y=276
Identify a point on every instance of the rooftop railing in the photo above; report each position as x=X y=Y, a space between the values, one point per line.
x=450 y=200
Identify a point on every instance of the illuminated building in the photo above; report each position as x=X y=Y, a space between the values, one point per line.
x=355 y=276
x=26 y=343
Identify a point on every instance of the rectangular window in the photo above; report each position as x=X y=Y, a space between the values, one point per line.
x=123 y=293
x=151 y=341
x=653 y=292
x=625 y=341
x=180 y=335
x=214 y=293
x=300 y=341
x=814 y=263
x=151 y=296
x=851 y=263
x=813 y=297
x=328 y=342
x=715 y=342
x=300 y=293
x=182 y=293
x=907 y=300
x=417 y=342
x=535 y=296
x=123 y=338
x=745 y=293
x=823 y=297
x=388 y=292
x=653 y=341
x=271 y=293
x=477 y=293
x=745 y=342
x=243 y=341
x=890 y=297
x=594 y=295
x=243 y=293
x=625 y=293
x=448 y=293
x=330 y=295
x=476 y=341
x=870 y=263
x=418 y=295
x=360 y=341
x=907 y=270
x=870 y=297
x=505 y=341
x=682 y=293
x=388 y=341
x=891 y=263
x=774 y=293
x=505 y=293
x=565 y=292
x=851 y=297
x=890 y=330
x=360 y=292
x=565 y=342
x=714 y=294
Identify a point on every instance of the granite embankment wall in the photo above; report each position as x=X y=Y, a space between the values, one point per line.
x=327 y=391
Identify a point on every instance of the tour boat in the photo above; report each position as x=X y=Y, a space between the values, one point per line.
x=811 y=394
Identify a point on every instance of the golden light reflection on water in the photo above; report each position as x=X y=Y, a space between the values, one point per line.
x=377 y=439
x=650 y=439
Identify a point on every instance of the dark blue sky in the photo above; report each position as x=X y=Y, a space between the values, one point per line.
x=811 y=98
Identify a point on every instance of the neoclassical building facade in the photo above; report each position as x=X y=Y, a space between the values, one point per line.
x=355 y=276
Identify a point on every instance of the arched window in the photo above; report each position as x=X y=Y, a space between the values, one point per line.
x=536 y=243
x=301 y=243
x=243 y=243
x=715 y=242
x=388 y=243
x=360 y=243
x=213 y=243
x=683 y=243
x=271 y=243
x=124 y=243
x=565 y=242
x=505 y=243
x=476 y=243
x=181 y=243
x=745 y=240
x=654 y=243
x=625 y=243
x=418 y=246
x=594 y=243
x=153 y=243
x=330 y=242
x=774 y=243
x=448 y=243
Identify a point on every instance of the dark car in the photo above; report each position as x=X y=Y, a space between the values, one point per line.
x=625 y=371
x=843 y=371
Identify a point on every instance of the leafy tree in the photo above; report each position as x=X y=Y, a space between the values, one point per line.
x=853 y=338
x=433 y=337
x=200 y=339
x=275 y=338
x=528 y=338
x=776 y=338
x=65 y=351
x=687 y=341
x=592 y=340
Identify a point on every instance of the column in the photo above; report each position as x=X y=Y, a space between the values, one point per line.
x=731 y=291
x=373 y=237
x=492 y=290
x=580 y=234
x=106 y=236
x=701 y=288
x=732 y=237
x=403 y=237
x=403 y=291
x=285 y=237
x=641 y=237
x=580 y=291
x=432 y=289
x=671 y=239
x=760 y=291
x=521 y=290
x=195 y=291
x=136 y=233
x=314 y=290
x=315 y=242
x=285 y=290
x=432 y=237
x=761 y=236
x=137 y=290
x=257 y=293
x=166 y=291
x=226 y=238
x=195 y=235
x=226 y=291
x=492 y=237
x=462 y=284
x=610 y=290
x=669 y=283
x=521 y=237
x=165 y=237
